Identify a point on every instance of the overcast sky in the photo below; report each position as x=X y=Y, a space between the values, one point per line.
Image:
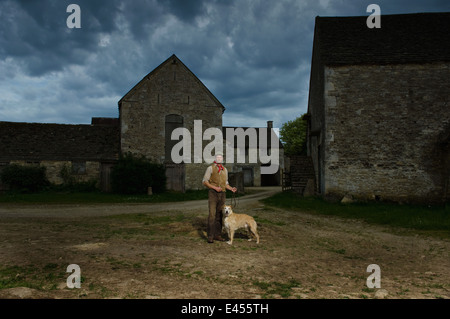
x=253 y=55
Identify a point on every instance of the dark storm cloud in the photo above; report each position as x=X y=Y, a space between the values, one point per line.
x=35 y=34
x=184 y=10
x=254 y=55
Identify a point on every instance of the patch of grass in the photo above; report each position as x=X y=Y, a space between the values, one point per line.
x=260 y=220
x=338 y=251
x=31 y=277
x=118 y=263
x=277 y=288
x=426 y=218
x=130 y=232
x=330 y=245
x=173 y=269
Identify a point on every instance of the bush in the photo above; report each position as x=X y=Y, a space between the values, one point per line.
x=71 y=184
x=25 y=178
x=133 y=175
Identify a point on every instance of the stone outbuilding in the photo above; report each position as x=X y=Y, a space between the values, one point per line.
x=379 y=107
x=87 y=151
x=251 y=169
x=168 y=98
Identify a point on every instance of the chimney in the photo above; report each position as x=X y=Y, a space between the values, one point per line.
x=269 y=124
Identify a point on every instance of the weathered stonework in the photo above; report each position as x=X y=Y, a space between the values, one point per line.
x=91 y=148
x=382 y=129
x=379 y=113
x=170 y=89
x=54 y=168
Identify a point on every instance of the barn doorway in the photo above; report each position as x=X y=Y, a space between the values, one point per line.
x=175 y=173
x=105 y=177
x=248 y=176
x=270 y=179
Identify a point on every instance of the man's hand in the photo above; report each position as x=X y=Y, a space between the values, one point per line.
x=218 y=189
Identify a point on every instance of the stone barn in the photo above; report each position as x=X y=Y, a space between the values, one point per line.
x=87 y=151
x=379 y=107
x=169 y=97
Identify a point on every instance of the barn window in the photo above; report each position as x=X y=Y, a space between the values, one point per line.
x=78 y=168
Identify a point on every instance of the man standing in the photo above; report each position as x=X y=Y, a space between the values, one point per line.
x=216 y=179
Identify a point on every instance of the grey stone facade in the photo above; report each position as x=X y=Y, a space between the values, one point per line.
x=86 y=151
x=170 y=89
x=379 y=117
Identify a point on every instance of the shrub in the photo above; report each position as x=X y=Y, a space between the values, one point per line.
x=25 y=178
x=133 y=175
x=71 y=184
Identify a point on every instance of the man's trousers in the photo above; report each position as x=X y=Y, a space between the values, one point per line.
x=216 y=201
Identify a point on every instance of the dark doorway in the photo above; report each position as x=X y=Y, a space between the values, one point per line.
x=105 y=177
x=248 y=176
x=175 y=173
x=175 y=177
x=270 y=179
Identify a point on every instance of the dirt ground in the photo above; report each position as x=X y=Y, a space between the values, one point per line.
x=160 y=251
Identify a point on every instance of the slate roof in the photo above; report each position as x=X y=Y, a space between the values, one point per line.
x=402 y=38
x=38 y=141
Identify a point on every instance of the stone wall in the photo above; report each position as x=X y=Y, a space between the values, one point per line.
x=54 y=168
x=316 y=117
x=385 y=131
x=170 y=89
x=301 y=172
x=194 y=176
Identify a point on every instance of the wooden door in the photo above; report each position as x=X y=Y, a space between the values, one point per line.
x=175 y=174
x=105 y=177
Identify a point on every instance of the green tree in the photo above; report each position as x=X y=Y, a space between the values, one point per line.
x=25 y=178
x=293 y=136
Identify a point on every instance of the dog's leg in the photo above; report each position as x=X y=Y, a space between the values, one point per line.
x=249 y=233
x=231 y=235
x=228 y=233
x=257 y=237
x=255 y=232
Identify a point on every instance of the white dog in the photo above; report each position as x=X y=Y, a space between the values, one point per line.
x=233 y=221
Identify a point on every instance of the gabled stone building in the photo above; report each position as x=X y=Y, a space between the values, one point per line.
x=379 y=107
x=169 y=97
